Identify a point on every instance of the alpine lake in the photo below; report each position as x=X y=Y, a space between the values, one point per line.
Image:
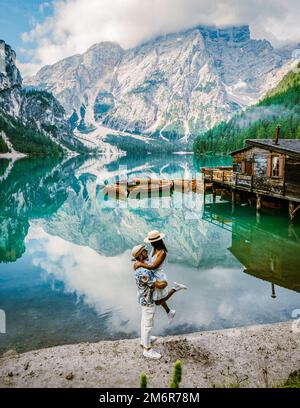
x=66 y=272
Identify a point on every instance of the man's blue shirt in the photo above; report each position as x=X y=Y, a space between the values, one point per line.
x=145 y=279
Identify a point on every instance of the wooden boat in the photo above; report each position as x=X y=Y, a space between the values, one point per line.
x=137 y=187
x=145 y=182
x=197 y=186
x=143 y=188
x=182 y=186
x=149 y=195
x=115 y=191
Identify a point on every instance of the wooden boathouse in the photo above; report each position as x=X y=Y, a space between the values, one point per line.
x=265 y=169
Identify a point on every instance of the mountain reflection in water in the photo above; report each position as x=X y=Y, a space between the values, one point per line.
x=66 y=272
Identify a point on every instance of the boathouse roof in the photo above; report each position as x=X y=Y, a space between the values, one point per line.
x=289 y=146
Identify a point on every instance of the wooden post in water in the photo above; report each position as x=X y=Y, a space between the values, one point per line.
x=291 y=211
x=214 y=194
x=273 y=291
x=232 y=200
x=258 y=207
x=257 y=217
x=258 y=203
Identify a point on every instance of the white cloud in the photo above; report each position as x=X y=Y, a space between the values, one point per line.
x=77 y=24
x=27 y=69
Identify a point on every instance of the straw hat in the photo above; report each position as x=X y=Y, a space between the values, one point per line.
x=137 y=250
x=154 y=236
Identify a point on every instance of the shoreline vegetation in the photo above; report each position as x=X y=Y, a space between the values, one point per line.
x=263 y=356
x=26 y=140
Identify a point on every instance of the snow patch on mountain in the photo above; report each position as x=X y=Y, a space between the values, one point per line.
x=96 y=140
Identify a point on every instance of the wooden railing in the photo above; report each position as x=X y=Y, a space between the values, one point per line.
x=259 y=185
x=222 y=176
x=227 y=176
x=242 y=180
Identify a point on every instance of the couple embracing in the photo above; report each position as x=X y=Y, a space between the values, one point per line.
x=152 y=285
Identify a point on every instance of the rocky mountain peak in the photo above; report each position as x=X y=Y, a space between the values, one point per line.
x=9 y=74
x=33 y=109
x=236 y=34
x=104 y=45
x=103 y=52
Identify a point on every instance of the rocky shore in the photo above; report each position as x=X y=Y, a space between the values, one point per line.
x=253 y=356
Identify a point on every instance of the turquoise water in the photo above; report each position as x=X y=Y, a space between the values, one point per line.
x=65 y=267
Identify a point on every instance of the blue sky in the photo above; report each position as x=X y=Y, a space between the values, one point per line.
x=44 y=31
x=16 y=17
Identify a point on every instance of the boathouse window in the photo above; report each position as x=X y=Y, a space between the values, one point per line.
x=246 y=167
x=237 y=167
x=275 y=166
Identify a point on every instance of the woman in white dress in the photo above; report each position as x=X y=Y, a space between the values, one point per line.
x=157 y=263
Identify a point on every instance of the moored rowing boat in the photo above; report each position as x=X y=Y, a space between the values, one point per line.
x=143 y=188
x=182 y=186
x=115 y=191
